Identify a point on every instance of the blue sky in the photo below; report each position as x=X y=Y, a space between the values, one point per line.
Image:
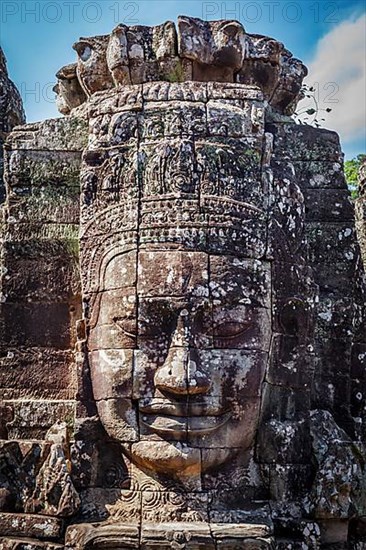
x=37 y=37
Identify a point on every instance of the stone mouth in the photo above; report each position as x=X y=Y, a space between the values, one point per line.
x=168 y=424
x=182 y=408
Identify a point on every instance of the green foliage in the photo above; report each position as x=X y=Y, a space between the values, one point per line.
x=177 y=74
x=351 y=169
x=312 y=112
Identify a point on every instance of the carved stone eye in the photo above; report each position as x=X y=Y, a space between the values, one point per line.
x=127 y=326
x=230 y=329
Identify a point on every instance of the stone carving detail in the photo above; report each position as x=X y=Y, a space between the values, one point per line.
x=92 y=70
x=36 y=476
x=194 y=50
x=11 y=111
x=206 y=362
x=68 y=89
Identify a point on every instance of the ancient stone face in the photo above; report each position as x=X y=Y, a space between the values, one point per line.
x=178 y=294
x=192 y=50
x=92 y=67
x=69 y=92
x=142 y=54
x=208 y=357
x=178 y=353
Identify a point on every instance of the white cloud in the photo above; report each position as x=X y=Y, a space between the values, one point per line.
x=339 y=69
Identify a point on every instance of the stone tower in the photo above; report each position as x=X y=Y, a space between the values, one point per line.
x=182 y=314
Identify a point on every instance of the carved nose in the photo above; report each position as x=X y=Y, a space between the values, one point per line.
x=180 y=374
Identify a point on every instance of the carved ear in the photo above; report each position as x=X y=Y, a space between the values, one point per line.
x=294 y=317
x=170 y=32
x=169 y=27
x=186 y=23
x=232 y=29
x=119 y=30
x=84 y=49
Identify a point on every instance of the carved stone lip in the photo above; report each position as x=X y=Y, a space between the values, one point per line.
x=182 y=408
x=181 y=425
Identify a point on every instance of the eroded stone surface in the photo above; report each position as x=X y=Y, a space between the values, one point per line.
x=192 y=50
x=197 y=322
x=11 y=113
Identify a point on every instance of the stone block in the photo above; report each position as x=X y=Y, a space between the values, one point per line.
x=334 y=394
x=12 y=543
x=334 y=315
x=37 y=373
x=35 y=324
x=229 y=90
x=111 y=373
x=41 y=272
x=159 y=507
x=217 y=49
x=28 y=525
x=358 y=379
x=328 y=205
x=244 y=236
x=32 y=170
x=79 y=535
x=120 y=418
x=289 y=479
x=291 y=363
x=99 y=503
x=305 y=143
x=172 y=119
x=92 y=69
x=57 y=134
x=46 y=204
x=123 y=130
x=285 y=442
x=116 y=308
x=101 y=184
x=359 y=323
x=334 y=532
x=96 y=461
x=240 y=281
x=333 y=357
x=173 y=222
x=33 y=418
x=320 y=175
x=168 y=274
x=293 y=281
x=180 y=171
x=231 y=168
x=173 y=91
x=193 y=535
x=321 y=238
x=20 y=232
x=333 y=266
x=284 y=403
x=229 y=120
